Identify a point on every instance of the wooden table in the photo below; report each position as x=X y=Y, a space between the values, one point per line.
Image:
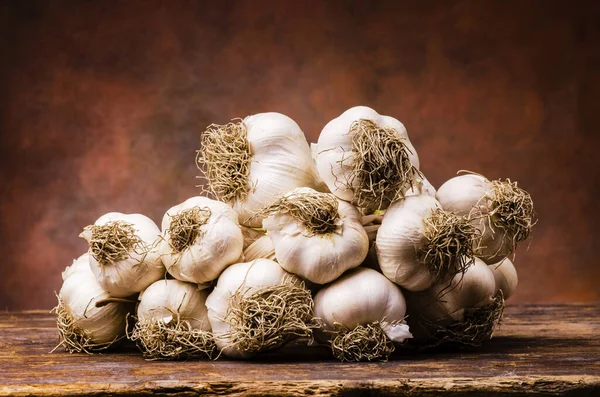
x=550 y=349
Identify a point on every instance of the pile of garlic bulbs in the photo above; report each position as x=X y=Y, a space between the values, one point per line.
x=343 y=243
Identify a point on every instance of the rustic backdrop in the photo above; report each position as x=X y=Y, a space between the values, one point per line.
x=102 y=104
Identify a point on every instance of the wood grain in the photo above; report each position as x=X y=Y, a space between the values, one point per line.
x=544 y=349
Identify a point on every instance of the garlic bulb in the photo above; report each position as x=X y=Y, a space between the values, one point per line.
x=201 y=237
x=124 y=253
x=475 y=288
x=173 y=322
x=463 y=310
x=261 y=248
x=88 y=318
x=419 y=244
x=257 y=306
x=316 y=236
x=506 y=277
x=501 y=210
x=366 y=158
x=363 y=313
x=249 y=163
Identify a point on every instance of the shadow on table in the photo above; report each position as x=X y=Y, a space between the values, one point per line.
x=501 y=346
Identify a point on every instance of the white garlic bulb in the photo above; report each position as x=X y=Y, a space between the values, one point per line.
x=174 y=300
x=501 y=210
x=249 y=163
x=201 y=237
x=257 y=306
x=360 y=307
x=463 y=310
x=315 y=235
x=124 y=252
x=475 y=288
x=506 y=277
x=366 y=158
x=173 y=321
x=88 y=318
x=418 y=243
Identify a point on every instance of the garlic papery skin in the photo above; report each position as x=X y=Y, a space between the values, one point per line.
x=257 y=306
x=81 y=264
x=249 y=163
x=201 y=237
x=420 y=186
x=315 y=235
x=506 y=277
x=501 y=210
x=124 y=253
x=363 y=314
x=261 y=248
x=366 y=158
x=251 y=235
x=172 y=322
x=419 y=244
x=462 y=310
x=88 y=318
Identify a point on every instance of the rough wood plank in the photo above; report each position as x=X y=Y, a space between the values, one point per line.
x=552 y=349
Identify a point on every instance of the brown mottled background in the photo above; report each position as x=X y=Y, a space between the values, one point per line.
x=102 y=104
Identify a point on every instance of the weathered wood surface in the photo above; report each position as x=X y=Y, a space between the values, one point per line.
x=545 y=349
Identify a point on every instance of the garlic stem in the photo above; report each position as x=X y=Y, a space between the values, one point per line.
x=373 y=218
x=104 y=302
